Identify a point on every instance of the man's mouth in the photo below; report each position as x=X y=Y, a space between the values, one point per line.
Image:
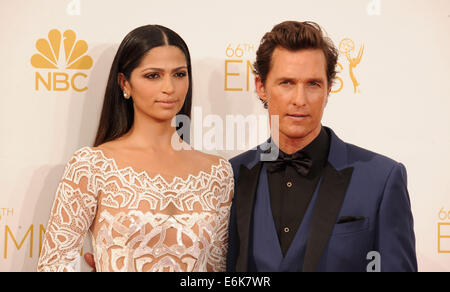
x=297 y=115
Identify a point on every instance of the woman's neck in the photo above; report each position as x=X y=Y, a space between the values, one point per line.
x=148 y=133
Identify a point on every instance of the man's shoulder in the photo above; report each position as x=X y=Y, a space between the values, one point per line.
x=244 y=158
x=372 y=171
x=364 y=158
x=357 y=152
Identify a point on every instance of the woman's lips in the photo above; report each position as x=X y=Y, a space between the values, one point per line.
x=167 y=103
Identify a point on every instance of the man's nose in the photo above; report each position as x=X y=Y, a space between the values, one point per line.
x=300 y=96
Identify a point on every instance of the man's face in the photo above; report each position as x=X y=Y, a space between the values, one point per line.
x=296 y=90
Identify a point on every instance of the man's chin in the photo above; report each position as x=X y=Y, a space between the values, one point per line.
x=298 y=134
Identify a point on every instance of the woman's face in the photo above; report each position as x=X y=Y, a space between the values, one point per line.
x=158 y=86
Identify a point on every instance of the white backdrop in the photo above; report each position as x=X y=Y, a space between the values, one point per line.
x=400 y=108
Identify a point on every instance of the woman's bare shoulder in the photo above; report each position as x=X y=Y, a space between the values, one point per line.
x=110 y=147
x=207 y=159
x=107 y=145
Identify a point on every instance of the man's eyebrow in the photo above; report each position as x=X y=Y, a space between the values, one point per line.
x=162 y=70
x=285 y=78
x=312 y=79
x=317 y=80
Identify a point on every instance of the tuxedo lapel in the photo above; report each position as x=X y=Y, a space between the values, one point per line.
x=330 y=198
x=326 y=210
x=246 y=186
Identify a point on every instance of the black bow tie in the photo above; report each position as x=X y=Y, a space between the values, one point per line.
x=299 y=160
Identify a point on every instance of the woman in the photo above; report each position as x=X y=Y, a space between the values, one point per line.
x=148 y=206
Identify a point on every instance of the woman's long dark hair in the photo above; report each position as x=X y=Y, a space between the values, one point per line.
x=117 y=115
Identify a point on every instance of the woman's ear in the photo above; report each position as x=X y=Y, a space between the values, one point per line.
x=123 y=83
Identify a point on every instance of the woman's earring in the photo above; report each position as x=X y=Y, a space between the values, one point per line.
x=125 y=95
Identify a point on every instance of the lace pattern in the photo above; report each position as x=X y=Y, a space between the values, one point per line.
x=138 y=222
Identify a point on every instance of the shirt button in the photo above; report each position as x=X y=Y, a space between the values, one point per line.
x=289 y=184
x=286 y=230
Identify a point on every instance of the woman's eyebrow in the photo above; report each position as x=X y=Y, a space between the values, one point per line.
x=162 y=70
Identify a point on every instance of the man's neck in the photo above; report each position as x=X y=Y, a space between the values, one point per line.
x=291 y=145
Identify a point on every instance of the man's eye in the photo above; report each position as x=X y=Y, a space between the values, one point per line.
x=286 y=82
x=313 y=83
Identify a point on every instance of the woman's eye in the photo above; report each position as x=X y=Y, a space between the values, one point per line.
x=181 y=74
x=152 y=76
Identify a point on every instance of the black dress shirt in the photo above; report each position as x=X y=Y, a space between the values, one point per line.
x=291 y=193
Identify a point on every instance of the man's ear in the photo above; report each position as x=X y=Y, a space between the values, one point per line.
x=328 y=96
x=260 y=89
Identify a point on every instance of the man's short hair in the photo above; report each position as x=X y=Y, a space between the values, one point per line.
x=294 y=36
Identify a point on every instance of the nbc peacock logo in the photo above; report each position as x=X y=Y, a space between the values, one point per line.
x=61 y=51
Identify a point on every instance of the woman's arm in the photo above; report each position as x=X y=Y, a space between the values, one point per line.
x=218 y=252
x=71 y=217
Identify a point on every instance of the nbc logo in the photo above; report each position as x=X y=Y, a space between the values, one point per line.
x=61 y=52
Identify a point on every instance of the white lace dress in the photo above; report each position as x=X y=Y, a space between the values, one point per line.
x=138 y=222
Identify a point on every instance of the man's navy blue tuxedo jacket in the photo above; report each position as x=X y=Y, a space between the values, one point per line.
x=356 y=183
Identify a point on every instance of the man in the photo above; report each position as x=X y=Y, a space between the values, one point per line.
x=323 y=204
